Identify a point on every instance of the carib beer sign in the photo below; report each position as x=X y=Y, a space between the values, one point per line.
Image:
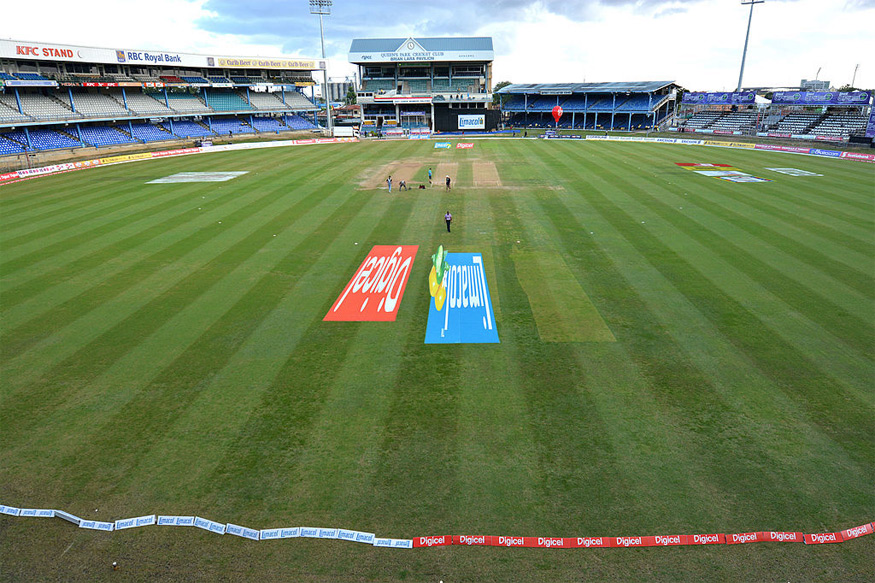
x=460 y=310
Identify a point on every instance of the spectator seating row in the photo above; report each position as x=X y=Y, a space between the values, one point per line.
x=193 y=79
x=297 y=122
x=147 y=132
x=105 y=136
x=271 y=101
x=797 y=123
x=840 y=125
x=9 y=146
x=98 y=104
x=225 y=126
x=187 y=103
x=187 y=129
x=735 y=121
x=377 y=85
x=227 y=101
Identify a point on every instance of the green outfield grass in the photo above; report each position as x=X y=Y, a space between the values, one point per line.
x=678 y=354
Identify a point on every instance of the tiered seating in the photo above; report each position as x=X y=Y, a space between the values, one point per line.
x=187 y=103
x=147 y=132
x=418 y=85
x=41 y=106
x=6 y=76
x=241 y=80
x=224 y=126
x=30 y=77
x=268 y=101
x=735 y=121
x=188 y=129
x=376 y=85
x=145 y=104
x=464 y=84
x=9 y=113
x=636 y=103
x=98 y=105
x=840 y=125
x=217 y=79
x=171 y=79
x=797 y=123
x=10 y=146
x=193 y=79
x=51 y=140
x=268 y=124
x=297 y=102
x=227 y=101
x=601 y=103
x=297 y=122
x=702 y=120
x=104 y=136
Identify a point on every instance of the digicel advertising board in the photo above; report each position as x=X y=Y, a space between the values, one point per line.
x=375 y=291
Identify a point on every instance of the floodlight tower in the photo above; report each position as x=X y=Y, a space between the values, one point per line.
x=746 y=36
x=323 y=7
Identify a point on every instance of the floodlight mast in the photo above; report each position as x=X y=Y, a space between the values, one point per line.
x=323 y=7
x=746 y=36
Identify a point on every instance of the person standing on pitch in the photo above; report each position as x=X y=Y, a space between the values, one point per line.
x=448 y=181
x=429 y=176
x=449 y=219
x=389 y=182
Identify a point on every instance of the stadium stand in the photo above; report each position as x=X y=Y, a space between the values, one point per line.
x=171 y=79
x=297 y=102
x=40 y=106
x=98 y=105
x=187 y=103
x=227 y=101
x=187 y=129
x=735 y=121
x=702 y=119
x=241 y=80
x=146 y=104
x=215 y=79
x=417 y=85
x=297 y=122
x=193 y=79
x=840 y=125
x=30 y=77
x=233 y=125
x=10 y=114
x=377 y=85
x=268 y=124
x=268 y=101
x=4 y=76
x=42 y=139
x=797 y=123
x=105 y=136
x=9 y=146
x=147 y=132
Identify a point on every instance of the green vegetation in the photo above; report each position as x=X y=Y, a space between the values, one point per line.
x=163 y=351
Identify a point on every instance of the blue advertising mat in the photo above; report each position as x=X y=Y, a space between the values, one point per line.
x=461 y=312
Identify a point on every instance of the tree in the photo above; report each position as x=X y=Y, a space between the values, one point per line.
x=350 y=96
x=847 y=87
x=500 y=99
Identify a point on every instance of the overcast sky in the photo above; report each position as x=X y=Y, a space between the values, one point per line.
x=696 y=43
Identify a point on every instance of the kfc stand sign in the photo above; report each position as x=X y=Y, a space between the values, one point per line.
x=374 y=292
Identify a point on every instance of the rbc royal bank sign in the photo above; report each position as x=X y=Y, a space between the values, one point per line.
x=460 y=310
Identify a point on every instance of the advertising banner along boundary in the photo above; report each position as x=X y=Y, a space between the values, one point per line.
x=368 y=538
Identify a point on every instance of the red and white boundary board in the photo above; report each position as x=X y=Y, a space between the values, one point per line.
x=374 y=293
x=445 y=540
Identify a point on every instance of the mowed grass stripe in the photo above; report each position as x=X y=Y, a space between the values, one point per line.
x=839 y=414
x=99 y=293
x=763 y=416
x=124 y=247
x=653 y=455
x=844 y=319
x=343 y=445
x=112 y=327
x=126 y=378
x=136 y=427
x=574 y=452
x=279 y=433
x=803 y=244
x=683 y=396
x=301 y=286
x=824 y=350
x=113 y=255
